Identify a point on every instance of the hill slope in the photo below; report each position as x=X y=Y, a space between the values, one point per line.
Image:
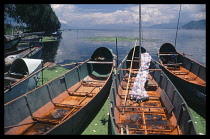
x=201 y=24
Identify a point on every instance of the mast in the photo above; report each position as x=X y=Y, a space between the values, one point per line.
x=177 y=25
x=139 y=36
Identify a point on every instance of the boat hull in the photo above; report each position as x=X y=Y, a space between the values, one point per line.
x=22 y=86
x=132 y=120
x=36 y=54
x=78 y=123
x=79 y=94
x=193 y=92
x=11 y=44
x=194 y=98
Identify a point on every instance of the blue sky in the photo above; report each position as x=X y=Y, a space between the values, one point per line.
x=88 y=15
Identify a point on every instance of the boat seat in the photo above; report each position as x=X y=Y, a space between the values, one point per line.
x=100 y=75
x=180 y=72
x=66 y=105
x=150 y=85
x=167 y=54
x=46 y=120
x=173 y=64
x=73 y=93
x=99 y=62
x=141 y=109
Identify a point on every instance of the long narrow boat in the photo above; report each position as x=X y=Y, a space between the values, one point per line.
x=22 y=77
x=66 y=104
x=163 y=112
x=188 y=76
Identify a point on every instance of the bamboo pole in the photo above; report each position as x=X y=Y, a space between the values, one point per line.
x=129 y=75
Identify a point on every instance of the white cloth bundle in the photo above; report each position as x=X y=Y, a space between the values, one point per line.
x=138 y=91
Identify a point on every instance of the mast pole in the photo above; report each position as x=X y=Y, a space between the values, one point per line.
x=177 y=24
x=139 y=36
x=116 y=53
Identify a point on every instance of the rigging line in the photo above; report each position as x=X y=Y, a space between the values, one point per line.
x=177 y=25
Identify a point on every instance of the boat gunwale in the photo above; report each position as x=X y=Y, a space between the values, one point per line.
x=82 y=106
x=112 y=102
x=179 y=53
x=183 y=67
x=44 y=83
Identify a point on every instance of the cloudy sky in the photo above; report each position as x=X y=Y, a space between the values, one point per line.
x=88 y=15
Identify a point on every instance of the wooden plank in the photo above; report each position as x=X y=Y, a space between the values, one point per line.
x=39 y=119
x=166 y=54
x=99 y=62
x=172 y=64
x=66 y=105
x=140 y=107
x=138 y=69
x=180 y=72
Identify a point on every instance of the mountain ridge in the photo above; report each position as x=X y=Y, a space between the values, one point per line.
x=201 y=24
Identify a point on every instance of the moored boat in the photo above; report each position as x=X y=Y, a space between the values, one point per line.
x=163 y=111
x=54 y=34
x=31 y=38
x=34 y=51
x=11 y=41
x=66 y=104
x=188 y=76
x=22 y=77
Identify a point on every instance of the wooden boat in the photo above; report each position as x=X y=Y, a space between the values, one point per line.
x=34 y=51
x=188 y=76
x=22 y=77
x=66 y=104
x=10 y=41
x=30 y=39
x=164 y=112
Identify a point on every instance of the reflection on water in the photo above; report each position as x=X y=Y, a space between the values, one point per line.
x=49 y=51
x=73 y=47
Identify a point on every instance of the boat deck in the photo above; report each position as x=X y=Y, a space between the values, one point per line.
x=187 y=75
x=148 y=117
x=70 y=102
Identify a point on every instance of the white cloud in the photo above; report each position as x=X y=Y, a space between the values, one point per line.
x=63 y=21
x=150 y=13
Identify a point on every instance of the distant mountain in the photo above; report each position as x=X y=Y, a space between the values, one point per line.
x=113 y=26
x=165 y=26
x=201 y=24
x=66 y=26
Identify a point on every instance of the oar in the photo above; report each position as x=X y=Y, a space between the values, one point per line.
x=185 y=54
x=70 y=64
x=129 y=75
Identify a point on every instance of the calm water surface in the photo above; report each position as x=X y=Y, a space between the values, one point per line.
x=75 y=47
